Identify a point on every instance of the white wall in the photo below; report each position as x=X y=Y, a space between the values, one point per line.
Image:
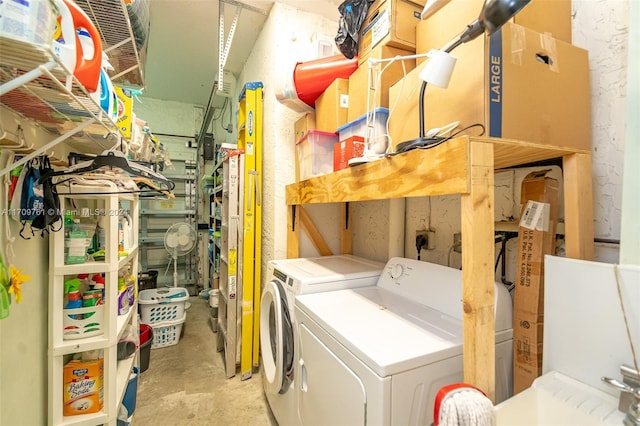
x=602 y=28
x=23 y=335
x=286 y=38
x=175 y=118
x=630 y=244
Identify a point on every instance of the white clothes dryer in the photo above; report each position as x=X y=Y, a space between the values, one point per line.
x=286 y=279
x=378 y=355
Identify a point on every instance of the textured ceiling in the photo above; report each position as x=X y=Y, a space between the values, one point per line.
x=182 y=56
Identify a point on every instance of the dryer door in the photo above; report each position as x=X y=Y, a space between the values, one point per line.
x=276 y=338
x=329 y=391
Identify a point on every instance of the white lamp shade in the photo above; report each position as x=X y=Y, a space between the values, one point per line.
x=438 y=69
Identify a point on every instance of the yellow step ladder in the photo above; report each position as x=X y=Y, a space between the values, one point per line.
x=250 y=140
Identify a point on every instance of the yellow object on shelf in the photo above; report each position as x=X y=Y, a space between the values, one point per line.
x=125 y=110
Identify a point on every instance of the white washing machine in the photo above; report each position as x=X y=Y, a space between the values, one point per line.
x=378 y=355
x=286 y=279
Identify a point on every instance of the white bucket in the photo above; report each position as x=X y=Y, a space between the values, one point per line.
x=213 y=297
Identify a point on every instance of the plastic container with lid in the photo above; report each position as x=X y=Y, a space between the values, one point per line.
x=377 y=134
x=315 y=153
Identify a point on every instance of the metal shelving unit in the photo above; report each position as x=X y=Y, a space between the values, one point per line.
x=37 y=90
x=157 y=214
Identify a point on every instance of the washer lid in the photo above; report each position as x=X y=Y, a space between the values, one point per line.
x=389 y=333
x=328 y=268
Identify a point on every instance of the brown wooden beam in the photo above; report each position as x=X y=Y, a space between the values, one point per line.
x=477 y=271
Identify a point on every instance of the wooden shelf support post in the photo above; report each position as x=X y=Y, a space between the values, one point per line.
x=578 y=206
x=477 y=271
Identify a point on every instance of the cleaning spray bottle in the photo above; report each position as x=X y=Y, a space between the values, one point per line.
x=123 y=297
x=97 y=283
x=74 y=298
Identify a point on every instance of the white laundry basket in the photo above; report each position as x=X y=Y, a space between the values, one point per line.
x=162 y=305
x=167 y=333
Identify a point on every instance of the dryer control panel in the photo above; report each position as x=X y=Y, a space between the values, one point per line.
x=426 y=283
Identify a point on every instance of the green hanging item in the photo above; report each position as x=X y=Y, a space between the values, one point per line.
x=4 y=285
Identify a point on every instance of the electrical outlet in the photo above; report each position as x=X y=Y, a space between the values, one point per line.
x=457 y=242
x=431 y=240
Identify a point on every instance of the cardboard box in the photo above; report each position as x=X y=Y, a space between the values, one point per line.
x=527 y=351
x=536 y=238
x=389 y=23
x=359 y=81
x=543 y=16
x=519 y=84
x=345 y=150
x=303 y=125
x=83 y=387
x=332 y=106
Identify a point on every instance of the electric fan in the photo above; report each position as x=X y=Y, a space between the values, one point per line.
x=179 y=240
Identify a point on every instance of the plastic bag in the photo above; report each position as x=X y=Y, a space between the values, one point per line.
x=352 y=14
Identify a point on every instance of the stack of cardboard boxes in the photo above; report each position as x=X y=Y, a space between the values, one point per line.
x=388 y=30
x=525 y=82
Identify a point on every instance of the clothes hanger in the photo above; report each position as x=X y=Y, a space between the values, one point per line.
x=116 y=159
x=148 y=183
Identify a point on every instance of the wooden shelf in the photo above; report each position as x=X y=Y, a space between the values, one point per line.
x=464 y=166
x=446 y=169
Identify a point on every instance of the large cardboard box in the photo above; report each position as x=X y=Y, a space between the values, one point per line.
x=536 y=238
x=303 y=125
x=389 y=23
x=519 y=84
x=359 y=81
x=543 y=16
x=332 y=106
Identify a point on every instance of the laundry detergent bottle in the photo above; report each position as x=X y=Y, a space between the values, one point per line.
x=68 y=47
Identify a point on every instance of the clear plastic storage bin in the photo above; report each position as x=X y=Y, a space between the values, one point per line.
x=315 y=153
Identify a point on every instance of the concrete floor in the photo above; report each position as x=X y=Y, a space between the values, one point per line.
x=185 y=384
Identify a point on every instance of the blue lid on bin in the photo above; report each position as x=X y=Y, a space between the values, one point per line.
x=383 y=112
